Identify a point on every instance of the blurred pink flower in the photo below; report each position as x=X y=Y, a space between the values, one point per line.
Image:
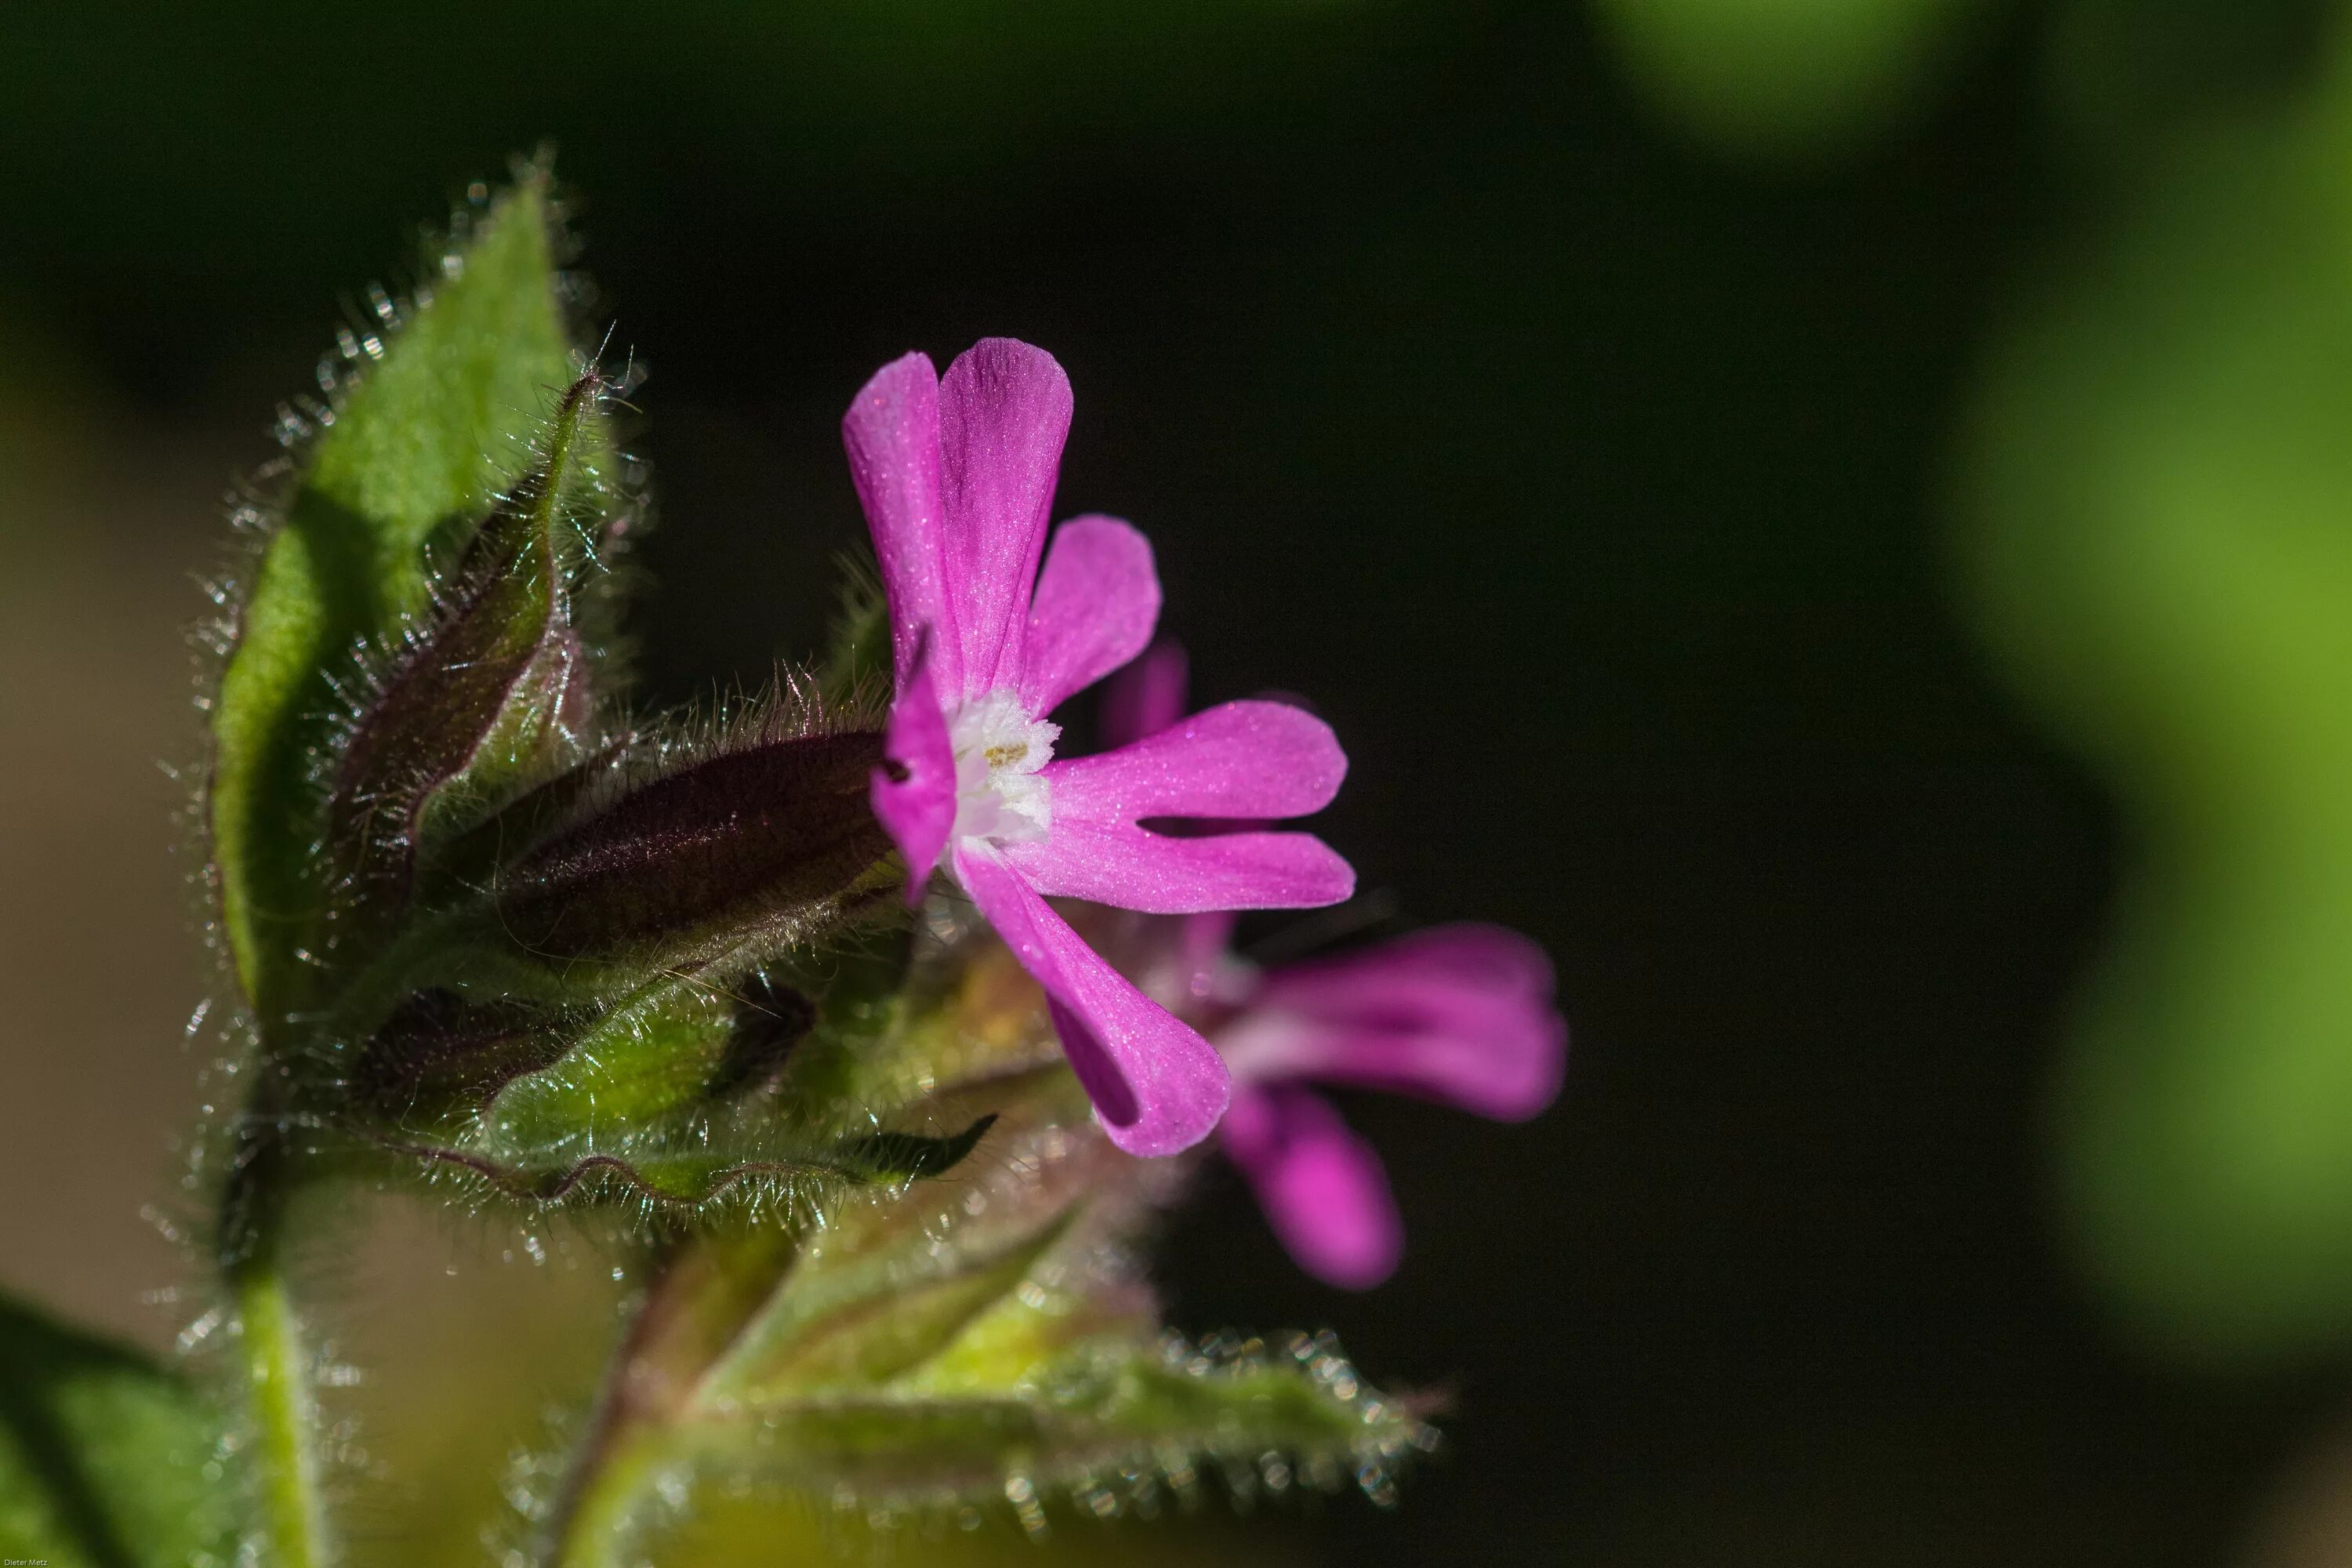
x=1462 y=1015
x=957 y=475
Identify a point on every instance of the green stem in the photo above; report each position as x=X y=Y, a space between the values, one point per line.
x=702 y=1293
x=278 y=1391
x=598 y=1519
x=277 y=1396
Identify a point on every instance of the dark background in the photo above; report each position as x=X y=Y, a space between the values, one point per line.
x=1586 y=481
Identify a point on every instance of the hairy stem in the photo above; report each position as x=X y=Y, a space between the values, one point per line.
x=279 y=1393
x=597 y=1520
x=607 y=1475
x=277 y=1365
x=701 y=1293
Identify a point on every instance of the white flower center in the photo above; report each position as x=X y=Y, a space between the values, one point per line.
x=998 y=751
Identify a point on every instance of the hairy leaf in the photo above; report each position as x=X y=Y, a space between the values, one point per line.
x=595 y=1019
x=106 y=1460
x=985 y=1338
x=883 y=1287
x=649 y=1099
x=690 y=1160
x=1105 y=1427
x=417 y=451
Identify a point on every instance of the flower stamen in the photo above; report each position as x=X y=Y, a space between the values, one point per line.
x=999 y=748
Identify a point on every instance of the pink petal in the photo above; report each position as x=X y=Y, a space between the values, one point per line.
x=892 y=434
x=1145 y=697
x=1097 y=601
x=914 y=790
x=1321 y=1186
x=1469 y=958
x=1004 y=411
x=1131 y=867
x=1239 y=764
x=1242 y=762
x=1460 y=1015
x=1157 y=1085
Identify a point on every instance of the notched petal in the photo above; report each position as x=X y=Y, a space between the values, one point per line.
x=1004 y=413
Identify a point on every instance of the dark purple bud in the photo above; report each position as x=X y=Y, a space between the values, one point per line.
x=453 y=863
x=438 y=1049
x=499 y=674
x=750 y=851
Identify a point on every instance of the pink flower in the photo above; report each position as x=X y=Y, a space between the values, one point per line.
x=956 y=475
x=1462 y=1015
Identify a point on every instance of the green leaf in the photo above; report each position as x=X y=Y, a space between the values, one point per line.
x=890 y=1280
x=690 y=1087
x=2158 y=557
x=738 y=1154
x=106 y=1460
x=886 y=1285
x=987 y=1340
x=1104 y=1426
x=648 y=1100
x=992 y=1337
x=415 y=453
x=1791 y=81
x=984 y=1341
x=619 y=928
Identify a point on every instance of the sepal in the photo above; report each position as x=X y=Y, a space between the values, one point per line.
x=678 y=1096
x=753 y=850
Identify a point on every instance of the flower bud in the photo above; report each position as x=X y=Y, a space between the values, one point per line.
x=495 y=683
x=743 y=853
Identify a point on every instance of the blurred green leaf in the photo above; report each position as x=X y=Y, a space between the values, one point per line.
x=456 y=386
x=2160 y=484
x=2127 y=79
x=1790 y=79
x=106 y=1461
